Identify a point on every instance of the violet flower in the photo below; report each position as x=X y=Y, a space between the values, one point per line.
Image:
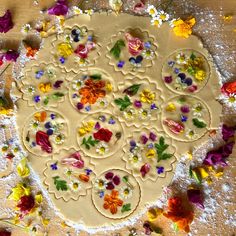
x=59 y=9
x=6 y=22
x=10 y=55
x=195 y=197
x=218 y=156
x=227 y=132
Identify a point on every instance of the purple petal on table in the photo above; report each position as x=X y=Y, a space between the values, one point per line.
x=59 y=9
x=227 y=132
x=11 y=55
x=6 y=22
x=195 y=197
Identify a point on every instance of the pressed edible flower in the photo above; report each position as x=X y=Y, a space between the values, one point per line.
x=200 y=75
x=45 y=87
x=22 y=168
x=151 y=153
x=59 y=9
x=86 y=128
x=151 y=10
x=26 y=204
x=64 y=49
x=42 y=139
x=147 y=96
x=183 y=28
x=181 y=217
x=135 y=45
x=112 y=202
x=74 y=160
x=156 y=21
x=6 y=22
x=103 y=135
x=18 y=191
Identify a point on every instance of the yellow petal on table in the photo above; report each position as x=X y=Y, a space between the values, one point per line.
x=153 y=213
x=23 y=169
x=18 y=191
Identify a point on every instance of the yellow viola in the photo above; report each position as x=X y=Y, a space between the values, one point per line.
x=200 y=75
x=147 y=96
x=18 y=191
x=150 y=153
x=64 y=49
x=38 y=198
x=45 y=87
x=171 y=107
x=86 y=128
x=202 y=172
x=22 y=168
x=183 y=28
x=153 y=213
x=109 y=86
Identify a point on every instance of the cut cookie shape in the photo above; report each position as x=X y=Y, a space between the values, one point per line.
x=75 y=48
x=116 y=194
x=138 y=102
x=100 y=135
x=186 y=71
x=69 y=174
x=149 y=154
x=45 y=132
x=185 y=118
x=131 y=51
x=90 y=91
x=44 y=86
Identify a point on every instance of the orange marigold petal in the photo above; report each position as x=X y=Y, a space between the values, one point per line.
x=113 y=209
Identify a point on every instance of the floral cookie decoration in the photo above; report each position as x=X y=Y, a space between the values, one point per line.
x=139 y=101
x=44 y=85
x=116 y=194
x=45 y=132
x=185 y=118
x=76 y=47
x=131 y=51
x=186 y=71
x=90 y=91
x=69 y=174
x=100 y=135
x=149 y=154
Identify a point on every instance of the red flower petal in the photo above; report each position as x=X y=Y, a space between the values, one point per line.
x=42 y=139
x=6 y=22
x=103 y=135
x=110 y=186
x=26 y=203
x=116 y=180
x=228 y=88
x=145 y=169
x=109 y=175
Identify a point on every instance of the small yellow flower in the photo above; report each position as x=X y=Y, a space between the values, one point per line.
x=150 y=153
x=147 y=96
x=200 y=75
x=109 y=86
x=45 y=88
x=64 y=49
x=22 y=168
x=86 y=128
x=153 y=213
x=18 y=191
x=38 y=198
x=183 y=28
x=203 y=172
x=45 y=221
x=171 y=107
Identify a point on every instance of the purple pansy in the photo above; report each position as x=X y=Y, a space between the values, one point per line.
x=153 y=106
x=11 y=55
x=143 y=139
x=54 y=166
x=58 y=84
x=145 y=169
x=37 y=98
x=120 y=64
x=185 y=109
x=53 y=116
x=80 y=106
x=168 y=79
x=137 y=103
x=62 y=60
x=152 y=136
x=102 y=118
x=147 y=228
x=97 y=126
x=184 y=118
x=113 y=180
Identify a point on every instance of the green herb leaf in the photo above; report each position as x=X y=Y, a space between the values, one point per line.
x=89 y=142
x=96 y=77
x=198 y=123
x=60 y=184
x=116 y=50
x=161 y=148
x=126 y=207
x=46 y=101
x=195 y=175
x=123 y=103
x=57 y=95
x=193 y=56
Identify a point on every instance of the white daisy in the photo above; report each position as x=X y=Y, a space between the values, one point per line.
x=181 y=59
x=129 y=114
x=163 y=16
x=25 y=28
x=34 y=125
x=191 y=134
x=144 y=114
x=77 y=10
x=29 y=89
x=59 y=138
x=198 y=109
x=148 y=54
x=102 y=102
x=102 y=148
x=231 y=100
x=77 y=84
x=171 y=23
x=151 y=10
x=75 y=186
x=82 y=62
x=126 y=192
x=135 y=158
x=100 y=184
x=156 y=21
x=68 y=172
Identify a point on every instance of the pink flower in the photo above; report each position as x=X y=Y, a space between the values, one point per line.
x=42 y=139
x=135 y=45
x=59 y=9
x=145 y=169
x=74 y=160
x=6 y=22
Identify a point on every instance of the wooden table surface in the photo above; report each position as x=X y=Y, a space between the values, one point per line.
x=218 y=35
